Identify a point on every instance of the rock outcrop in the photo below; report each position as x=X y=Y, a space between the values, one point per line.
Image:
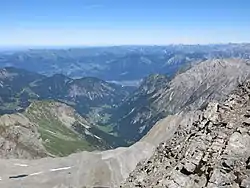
x=213 y=152
x=19 y=138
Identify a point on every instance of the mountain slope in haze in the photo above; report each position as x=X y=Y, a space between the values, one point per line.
x=137 y=108
x=87 y=90
x=213 y=152
x=107 y=63
x=12 y=82
x=92 y=97
x=204 y=82
x=17 y=78
x=119 y=63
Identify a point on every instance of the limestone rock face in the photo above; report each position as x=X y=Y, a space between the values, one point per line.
x=213 y=152
x=19 y=138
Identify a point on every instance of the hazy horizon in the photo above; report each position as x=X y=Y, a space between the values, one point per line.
x=117 y=45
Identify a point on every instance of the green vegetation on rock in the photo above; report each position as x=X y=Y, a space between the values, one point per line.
x=58 y=136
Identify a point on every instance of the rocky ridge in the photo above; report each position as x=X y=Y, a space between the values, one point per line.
x=191 y=90
x=213 y=151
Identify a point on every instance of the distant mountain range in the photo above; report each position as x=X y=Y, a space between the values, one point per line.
x=119 y=63
x=19 y=87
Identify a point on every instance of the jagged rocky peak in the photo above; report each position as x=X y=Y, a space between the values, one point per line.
x=213 y=152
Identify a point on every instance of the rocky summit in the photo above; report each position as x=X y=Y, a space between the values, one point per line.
x=213 y=151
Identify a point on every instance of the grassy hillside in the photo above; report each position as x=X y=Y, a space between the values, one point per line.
x=55 y=122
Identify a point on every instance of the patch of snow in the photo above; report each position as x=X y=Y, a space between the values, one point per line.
x=141 y=129
x=124 y=73
x=97 y=137
x=86 y=126
x=22 y=165
x=59 y=169
x=36 y=173
x=51 y=132
x=131 y=112
x=90 y=96
x=171 y=96
x=88 y=133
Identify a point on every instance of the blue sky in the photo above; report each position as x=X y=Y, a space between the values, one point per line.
x=114 y=22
